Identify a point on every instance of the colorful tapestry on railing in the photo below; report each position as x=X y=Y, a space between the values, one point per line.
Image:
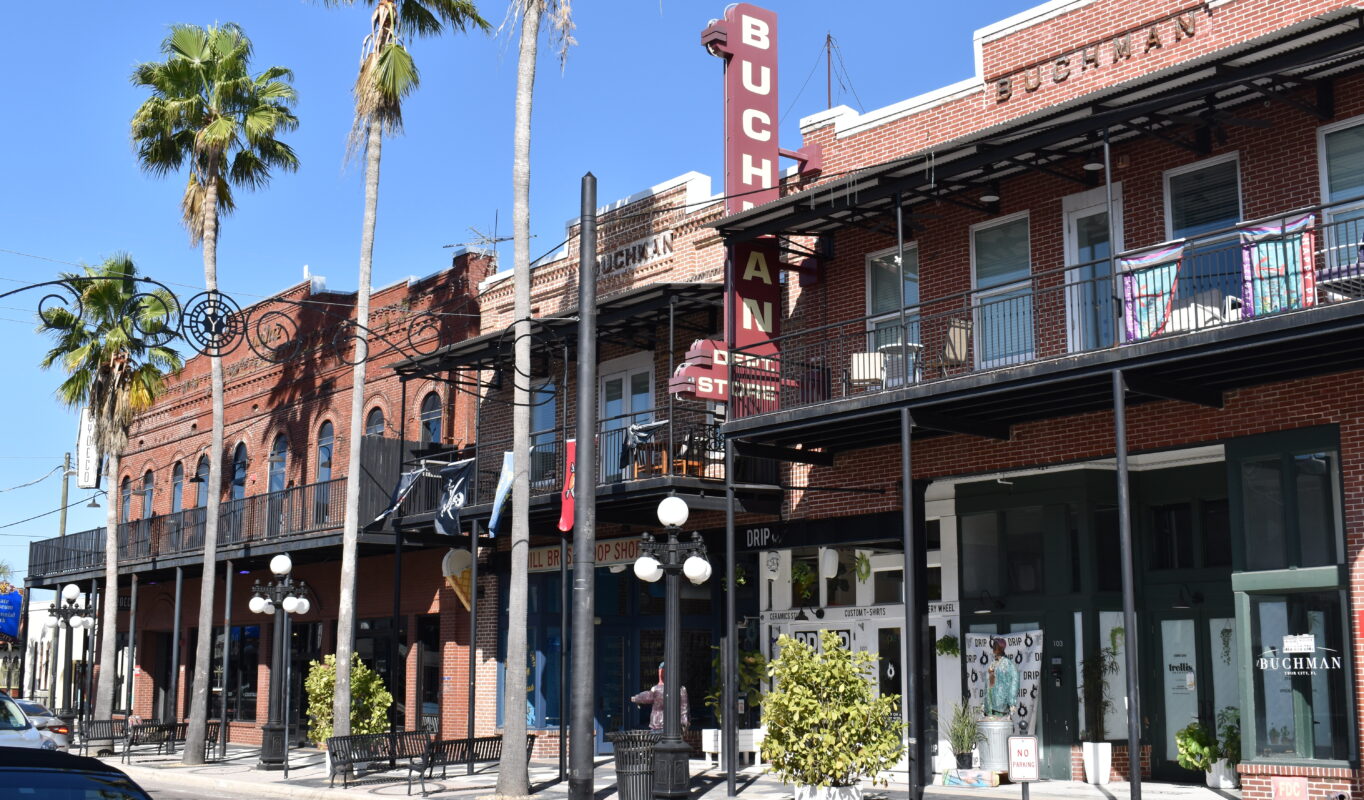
x=1149 y=280
x=1277 y=272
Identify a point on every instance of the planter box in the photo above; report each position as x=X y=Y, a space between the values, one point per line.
x=749 y=742
x=1222 y=776
x=1098 y=758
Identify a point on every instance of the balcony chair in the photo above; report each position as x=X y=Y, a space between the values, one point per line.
x=956 y=347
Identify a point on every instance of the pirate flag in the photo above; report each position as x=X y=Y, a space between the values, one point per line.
x=453 y=494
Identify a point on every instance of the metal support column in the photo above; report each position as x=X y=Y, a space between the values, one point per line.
x=173 y=698
x=394 y=651
x=473 y=638
x=729 y=745
x=913 y=700
x=1129 y=594
x=227 y=653
x=91 y=650
x=1113 y=243
x=564 y=600
x=580 y=778
x=130 y=664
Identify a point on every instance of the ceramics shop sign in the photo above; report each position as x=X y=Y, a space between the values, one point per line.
x=609 y=552
x=1023 y=651
x=1300 y=655
x=1138 y=41
x=1023 y=757
x=11 y=606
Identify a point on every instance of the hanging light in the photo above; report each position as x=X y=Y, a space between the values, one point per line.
x=991 y=193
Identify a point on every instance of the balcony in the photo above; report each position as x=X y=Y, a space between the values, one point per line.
x=292 y=514
x=1270 y=277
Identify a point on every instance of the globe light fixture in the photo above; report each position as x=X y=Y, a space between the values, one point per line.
x=673 y=512
x=257 y=605
x=70 y=592
x=697 y=569
x=281 y=565
x=648 y=569
x=282 y=598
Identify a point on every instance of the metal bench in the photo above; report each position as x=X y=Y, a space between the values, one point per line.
x=446 y=753
x=161 y=735
x=101 y=730
x=363 y=750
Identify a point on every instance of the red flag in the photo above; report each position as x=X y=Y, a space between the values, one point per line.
x=570 y=470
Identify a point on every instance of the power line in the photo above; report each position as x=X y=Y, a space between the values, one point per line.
x=55 y=470
x=48 y=513
x=838 y=51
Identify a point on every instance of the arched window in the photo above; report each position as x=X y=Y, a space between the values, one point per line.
x=279 y=460
x=325 y=439
x=239 y=462
x=431 y=419
x=201 y=478
x=147 y=483
x=125 y=499
x=374 y=423
x=178 y=488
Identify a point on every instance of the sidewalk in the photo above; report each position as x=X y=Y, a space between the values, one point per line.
x=308 y=781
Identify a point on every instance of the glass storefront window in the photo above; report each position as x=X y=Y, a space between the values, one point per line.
x=888 y=585
x=1298 y=675
x=1288 y=507
x=1023 y=549
x=1172 y=537
x=980 y=555
x=841 y=590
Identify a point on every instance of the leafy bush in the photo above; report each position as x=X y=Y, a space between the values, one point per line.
x=752 y=672
x=825 y=724
x=948 y=645
x=1229 y=734
x=369 y=699
x=1094 y=672
x=1197 y=747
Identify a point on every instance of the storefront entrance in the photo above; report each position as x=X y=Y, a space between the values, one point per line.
x=1196 y=679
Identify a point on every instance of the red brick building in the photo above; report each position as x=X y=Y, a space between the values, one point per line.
x=1130 y=204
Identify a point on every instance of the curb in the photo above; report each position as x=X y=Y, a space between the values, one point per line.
x=182 y=778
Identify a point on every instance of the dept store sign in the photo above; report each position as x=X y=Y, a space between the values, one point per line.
x=1148 y=37
x=1300 y=656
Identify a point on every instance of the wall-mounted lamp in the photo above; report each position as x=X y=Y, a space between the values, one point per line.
x=988 y=604
x=1187 y=599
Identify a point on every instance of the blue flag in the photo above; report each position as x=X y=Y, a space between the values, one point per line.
x=504 y=485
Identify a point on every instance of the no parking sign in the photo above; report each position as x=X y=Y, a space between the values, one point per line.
x=1023 y=758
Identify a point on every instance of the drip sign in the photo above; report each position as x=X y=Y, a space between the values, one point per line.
x=1023 y=758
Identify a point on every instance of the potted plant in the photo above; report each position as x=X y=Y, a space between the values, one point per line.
x=826 y=728
x=1223 y=773
x=752 y=672
x=1094 y=672
x=948 y=645
x=802 y=581
x=1196 y=747
x=963 y=732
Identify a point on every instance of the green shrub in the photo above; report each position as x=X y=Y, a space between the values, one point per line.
x=1197 y=747
x=369 y=699
x=1229 y=734
x=825 y=724
x=963 y=730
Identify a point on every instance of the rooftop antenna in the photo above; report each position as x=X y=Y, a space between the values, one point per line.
x=828 y=69
x=484 y=240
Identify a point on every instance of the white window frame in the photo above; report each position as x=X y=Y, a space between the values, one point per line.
x=1327 y=240
x=642 y=361
x=893 y=378
x=1322 y=133
x=1234 y=156
x=1074 y=206
x=978 y=294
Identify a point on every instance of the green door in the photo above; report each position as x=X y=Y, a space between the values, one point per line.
x=1057 y=685
x=1193 y=679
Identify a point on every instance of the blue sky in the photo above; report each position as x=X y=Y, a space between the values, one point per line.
x=639 y=102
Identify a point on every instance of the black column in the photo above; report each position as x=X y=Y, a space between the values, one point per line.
x=1129 y=593
x=173 y=714
x=912 y=704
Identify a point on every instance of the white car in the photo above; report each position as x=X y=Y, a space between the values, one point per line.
x=47 y=723
x=17 y=730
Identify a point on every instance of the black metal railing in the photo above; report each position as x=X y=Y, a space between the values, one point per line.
x=1282 y=264
x=295 y=511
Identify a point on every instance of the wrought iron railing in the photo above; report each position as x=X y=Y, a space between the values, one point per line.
x=1282 y=264
x=296 y=511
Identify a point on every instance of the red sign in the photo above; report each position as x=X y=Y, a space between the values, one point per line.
x=1281 y=788
x=747 y=39
x=705 y=372
x=570 y=474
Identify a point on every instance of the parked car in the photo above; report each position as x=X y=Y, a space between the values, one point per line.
x=48 y=724
x=17 y=730
x=48 y=773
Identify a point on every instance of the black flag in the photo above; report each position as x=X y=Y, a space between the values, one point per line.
x=454 y=494
x=405 y=484
x=636 y=436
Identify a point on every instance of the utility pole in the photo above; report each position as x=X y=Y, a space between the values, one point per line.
x=66 y=479
x=828 y=70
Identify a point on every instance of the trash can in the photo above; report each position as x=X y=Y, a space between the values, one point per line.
x=634 y=763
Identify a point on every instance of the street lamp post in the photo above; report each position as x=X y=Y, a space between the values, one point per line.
x=65 y=612
x=672 y=558
x=280 y=597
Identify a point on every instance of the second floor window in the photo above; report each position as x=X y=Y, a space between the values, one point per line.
x=125 y=499
x=239 y=461
x=177 y=487
x=884 y=293
x=147 y=483
x=279 y=463
x=1202 y=198
x=201 y=479
x=1001 y=265
x=325 y=439
x=374 y=423
x=431 y=419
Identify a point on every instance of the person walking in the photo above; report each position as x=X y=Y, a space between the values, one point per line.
x=654 y=697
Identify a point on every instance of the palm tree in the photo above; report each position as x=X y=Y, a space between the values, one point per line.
x=387 y=75
x=115 y=357
x=513 y=776
x=206 y=110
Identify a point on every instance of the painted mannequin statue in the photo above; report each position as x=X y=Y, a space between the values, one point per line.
x=1001 y=693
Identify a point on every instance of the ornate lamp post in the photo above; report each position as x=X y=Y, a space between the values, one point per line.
x=280 y=597
x=672 y=558
x=66 y=612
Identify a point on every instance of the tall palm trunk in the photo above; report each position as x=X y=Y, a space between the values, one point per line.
x=345 y=622
x=203 y=647
x=108 y=645
x=513 y=777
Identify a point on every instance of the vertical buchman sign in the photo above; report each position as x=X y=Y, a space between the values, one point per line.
x=747 y=39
